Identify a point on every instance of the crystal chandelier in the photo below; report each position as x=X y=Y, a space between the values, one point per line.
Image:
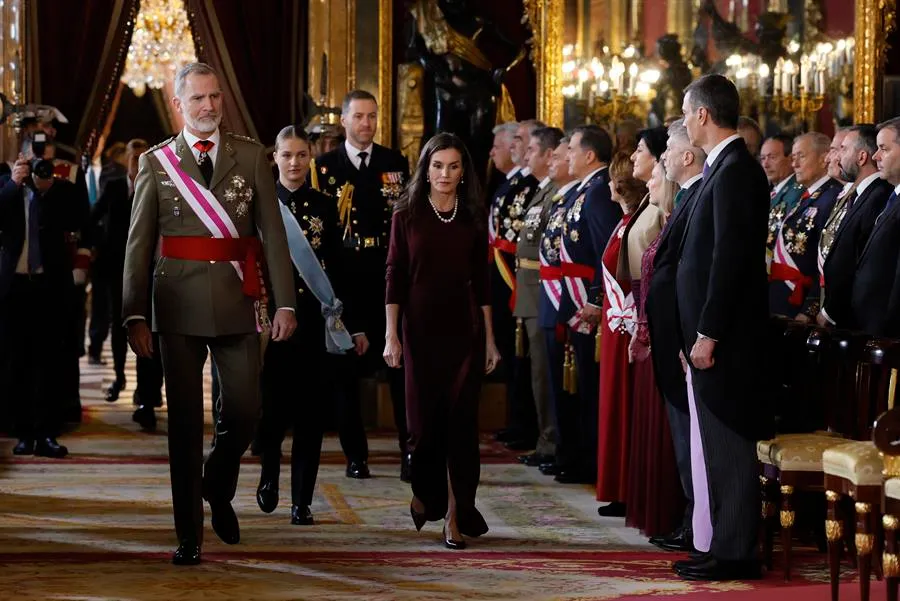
x=161 y=44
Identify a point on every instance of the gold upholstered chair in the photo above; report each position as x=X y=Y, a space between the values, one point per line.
x=821 y=368
x=887 y=440
x=854 y=470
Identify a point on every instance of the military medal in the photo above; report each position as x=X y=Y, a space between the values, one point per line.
x=176 y=211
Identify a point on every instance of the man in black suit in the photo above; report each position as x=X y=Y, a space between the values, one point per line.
x=722 y=290
x=864 y=203
x=38 y=213
x=366 y=179
x=684 y=165
x=875 y=296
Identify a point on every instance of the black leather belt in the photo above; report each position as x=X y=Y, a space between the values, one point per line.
x=365 y=242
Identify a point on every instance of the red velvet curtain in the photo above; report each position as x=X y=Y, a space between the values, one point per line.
x=259 y=50
x=76 y=56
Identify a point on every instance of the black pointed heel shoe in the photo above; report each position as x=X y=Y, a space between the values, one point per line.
x=418 y=518
x=456 y=545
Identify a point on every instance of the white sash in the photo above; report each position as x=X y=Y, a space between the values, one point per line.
x=621 y=310
x=202 y=202
x=552 y=288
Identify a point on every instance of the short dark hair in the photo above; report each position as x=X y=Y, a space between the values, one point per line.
x=719 y=96
x=893 y=123
x=291 y=132
x=787 y=142
x=356 y=95
x=595 y=138
x=752 y=125
x=548 y=137
x=867 y=138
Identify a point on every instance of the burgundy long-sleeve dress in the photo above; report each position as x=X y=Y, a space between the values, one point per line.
x=438 y=273
x=655 y=500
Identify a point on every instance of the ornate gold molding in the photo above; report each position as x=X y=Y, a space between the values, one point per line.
x=680 y=21
x=385 y=72
x=875 y=19
x=546 y=19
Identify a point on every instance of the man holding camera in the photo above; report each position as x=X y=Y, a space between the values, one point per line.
x=38 y=214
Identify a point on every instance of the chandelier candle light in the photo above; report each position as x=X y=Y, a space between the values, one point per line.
x=161 y=44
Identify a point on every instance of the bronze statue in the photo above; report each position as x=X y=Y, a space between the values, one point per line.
x=463 y=92
x=675 y=77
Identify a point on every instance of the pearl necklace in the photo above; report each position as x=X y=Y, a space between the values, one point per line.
x=438 y=214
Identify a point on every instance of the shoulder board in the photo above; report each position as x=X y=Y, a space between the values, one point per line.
x=235 y=136
x=160 y=145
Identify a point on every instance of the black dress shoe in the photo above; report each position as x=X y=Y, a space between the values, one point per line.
x=112 y=393
x=358 y=470
x=520 y=445
x=717 y=569
x=48 y=447
x=613 y=510
x=145 y=417
x=24 y=447
x=694 y=559
x=550 y=469
x=267 y=491
x=95 y=360
x=187 y=554
x=301 y=515
x=681 y=541
x=537 y=459
x=418 y=519
x=225 y=523
x=456 y=545
x=575 y=477
x=405 y=462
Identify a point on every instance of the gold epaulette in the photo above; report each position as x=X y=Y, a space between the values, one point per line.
x=313 y=175
x=231 y=134
x=160 y=145
x=344 y=204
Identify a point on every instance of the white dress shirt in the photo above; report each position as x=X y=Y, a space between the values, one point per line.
x=512 y=172
x=866 y=183
x=818 y=184
x=353 y=153
x=691 y=181
x=718 y=148
x=544 y=182
x=567 y=187
x=780 y=185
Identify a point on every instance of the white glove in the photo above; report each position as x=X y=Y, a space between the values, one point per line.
x=80 y=276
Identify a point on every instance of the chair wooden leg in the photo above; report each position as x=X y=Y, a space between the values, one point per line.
x=878 y=551
x=849 y=513
x=865 y=541
x=890 y=559
x=767 y=527
x=787 y=527
x=834 y=532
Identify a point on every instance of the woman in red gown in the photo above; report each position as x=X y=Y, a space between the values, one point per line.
x=615 y=370
x=616 y=321
x=655 y=499
x=437 y=281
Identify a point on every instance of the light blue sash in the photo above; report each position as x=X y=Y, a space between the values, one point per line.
x=337 y=339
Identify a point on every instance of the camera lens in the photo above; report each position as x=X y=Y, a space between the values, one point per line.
x=42 y=168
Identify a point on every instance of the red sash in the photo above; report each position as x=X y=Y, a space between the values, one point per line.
x=200 y=248
x=786 y=273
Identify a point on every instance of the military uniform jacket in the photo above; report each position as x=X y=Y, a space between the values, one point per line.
x=203 y=298
x=365 y=224
x=586 y=231
x=786 y=199
x=507 y=208
x=317 y=215
x=800 y=230
x=551 y=239
x=527 y=246
x=847 y=246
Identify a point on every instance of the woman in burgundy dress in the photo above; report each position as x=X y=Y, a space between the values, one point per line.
x=614 y=331
x=655 y=499
x=437 y=281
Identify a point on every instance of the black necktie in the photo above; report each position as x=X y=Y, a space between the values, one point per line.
x=362 y=161
x=204 y=162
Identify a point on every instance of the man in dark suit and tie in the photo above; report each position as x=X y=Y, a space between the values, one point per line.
x=684 y=165
x=38 y=213
x=864 y=203
x=723 y=312
x=875 y=299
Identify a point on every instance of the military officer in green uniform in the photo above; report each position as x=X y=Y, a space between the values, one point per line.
x=207 y=199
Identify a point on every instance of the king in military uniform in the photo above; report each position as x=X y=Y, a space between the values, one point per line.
x=365 y=179
x=207 y=199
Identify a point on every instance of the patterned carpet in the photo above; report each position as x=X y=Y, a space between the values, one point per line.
x=98 y=526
